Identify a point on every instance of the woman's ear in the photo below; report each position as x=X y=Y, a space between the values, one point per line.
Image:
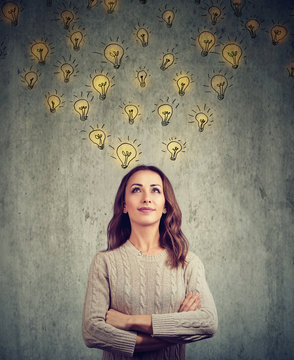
x=164 y=211
x=124 y=208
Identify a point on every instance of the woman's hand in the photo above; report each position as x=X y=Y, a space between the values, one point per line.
x=117 y=319
x=191 y=302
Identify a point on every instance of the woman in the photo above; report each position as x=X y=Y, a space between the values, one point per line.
x=147 y=295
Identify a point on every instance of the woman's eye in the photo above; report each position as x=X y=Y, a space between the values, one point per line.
x=134 y=190
x=156 y=190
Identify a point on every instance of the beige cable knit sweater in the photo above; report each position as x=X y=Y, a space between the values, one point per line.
x=125 y=280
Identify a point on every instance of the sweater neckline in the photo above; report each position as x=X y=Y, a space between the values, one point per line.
x=128 y=245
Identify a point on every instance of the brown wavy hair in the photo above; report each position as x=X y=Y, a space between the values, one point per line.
x=171 y=235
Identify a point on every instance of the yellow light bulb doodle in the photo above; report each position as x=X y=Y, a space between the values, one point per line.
x=237 y=6
x=10 y=11
x=53 y=102
x=215 y=13
x=165 y=111
x=101 y=84
x=142 y=78
x=168 y=17
x=81 y=106
x=174 y=147
x=219 y=83
x=92 y=3
x=278 y=33
x=290 y=69
x=76 y=38
x=126 y=152
x=40 y=50
x=167 y=61
x=143 y=36
x=31 y=78
x=132 y=112
x=232 y=54
x=67 y=17
x=98 y=137
x=202 y=120
x=182 y=83
x=114 y=53
x=252 y=26
x=111 y=5
x=206 y=40
x=67 y=71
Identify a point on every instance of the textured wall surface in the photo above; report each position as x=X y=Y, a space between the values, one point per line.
x=234 y=181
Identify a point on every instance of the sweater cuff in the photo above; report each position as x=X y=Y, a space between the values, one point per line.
x=164 y=325
x=126 y=343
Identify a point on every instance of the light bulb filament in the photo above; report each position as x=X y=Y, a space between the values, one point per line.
x=204 y=52
x=41 y=60
x=52 y=107
x=165 y=120
x=67 y=22
x=83 y=110
x=214 y=18
x=221 y=94
x=233 y=55
x=126 y=154
x=76 y=44
x=164 y=65
x=111 y=6
x=142 y=81
x=201 y=124
x=174 y=155
x=102 y=96
x=251 y=31
x=115 y=54
x=144 y=42
x=182 y=92
x=100 y=144
x=12 y=12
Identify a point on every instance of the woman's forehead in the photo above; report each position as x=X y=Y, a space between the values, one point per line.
x=145 y=178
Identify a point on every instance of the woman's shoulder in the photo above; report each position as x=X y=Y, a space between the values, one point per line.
x=193 y=258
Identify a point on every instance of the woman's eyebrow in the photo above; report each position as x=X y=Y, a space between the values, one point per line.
x=152 y=185
x=155 y=185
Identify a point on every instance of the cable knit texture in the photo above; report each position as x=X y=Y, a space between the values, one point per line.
x=124 y=280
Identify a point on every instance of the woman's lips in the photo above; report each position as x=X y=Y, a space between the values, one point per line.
x=146 y=209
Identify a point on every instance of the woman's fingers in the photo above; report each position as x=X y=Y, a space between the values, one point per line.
x=191 y=302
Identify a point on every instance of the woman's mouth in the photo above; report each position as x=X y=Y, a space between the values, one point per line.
x=146 y=209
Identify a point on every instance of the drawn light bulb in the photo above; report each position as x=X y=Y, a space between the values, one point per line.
x=111 y=5
x=132 y=112
x=174 y=147
x=219 y=83
x=165 y=111
x=142 y=78
x=98 y=137
x=92 y=3
x=126 y=153
x=232 y=54
x=114 y=53
x=278 y=33
x=76 y=39
x=10 y=11
x=67 y=71
x=53 y=102
x=67 y=17
x=167 y=61
x=143 y=36
x=237 y=6
x=202 y=119
x=215 y=13
x=290 y=69
x=182 y=83
x=206 y=40
x=101 y=84
x=81 y=106
x=31 y=78
x=40 y=50
x=168 y=17
x=252 y=26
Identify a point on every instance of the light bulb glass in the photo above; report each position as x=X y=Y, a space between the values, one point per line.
x=290 y=69
x=101 y=84
x=10 y=11
x=111 y=5
x=40 y=50
x=142 y=78
x=219 y=83
x=168 y=17
x=67 y=17
x=114 y=53
x=174 y=148
x=53 y=102
x=31 y=78
x=76 y=38
x=206 y=40
x=67 y=71
x=126 y=153
x=143 y=36
x=167 y=61
x=237 y=6
x=132 y=112
x=202 y=120
x=182 y=83
x=232 y=54
x=278 y=33
x=165 y=111
x=215 y=13
x=81 y=106
x=98 y=137
x=92 y=3
x=252 y=26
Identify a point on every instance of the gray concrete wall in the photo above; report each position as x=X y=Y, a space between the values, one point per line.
x=234 y=181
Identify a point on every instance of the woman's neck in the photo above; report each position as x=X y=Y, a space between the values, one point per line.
x=145 y=238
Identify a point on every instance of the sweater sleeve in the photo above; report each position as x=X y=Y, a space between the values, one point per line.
x=96 y=332
x=189 y=326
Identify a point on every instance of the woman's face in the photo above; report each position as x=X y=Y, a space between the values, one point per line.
x=144 y=198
